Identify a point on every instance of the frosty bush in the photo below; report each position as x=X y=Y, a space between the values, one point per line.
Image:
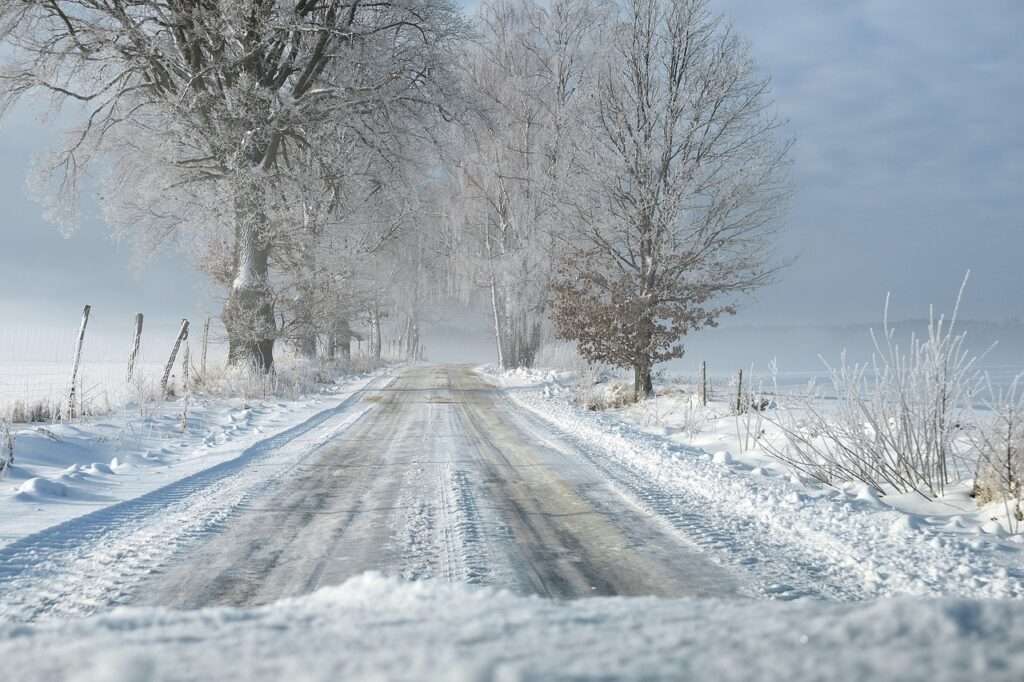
x=999 y=444
x=677 y=406
x=749 y=410
x=898 y=419
x=598 y=389
x=291 y=378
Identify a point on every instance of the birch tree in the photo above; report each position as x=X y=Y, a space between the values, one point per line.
x=216 y=100
x=676 y=212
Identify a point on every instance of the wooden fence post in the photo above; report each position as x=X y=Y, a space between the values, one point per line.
x=182 y=335
x=206 y=340
x=739 y=393
x=184 y=368
x=704 y=383
x=77 y=360
x=133 y=353
x=184 y=387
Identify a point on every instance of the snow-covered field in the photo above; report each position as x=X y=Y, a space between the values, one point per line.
x=375 y=628
x=36 y=363
x=101 y=385
x=687 y=464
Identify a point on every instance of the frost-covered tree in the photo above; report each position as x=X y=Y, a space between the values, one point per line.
x=343 y=216
x=376 y=261
x=677 y=207
x=525 y=70
x=205 y=109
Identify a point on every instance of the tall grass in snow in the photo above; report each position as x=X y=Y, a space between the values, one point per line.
x=999 y=475
x=292 y=378
x=899 y=422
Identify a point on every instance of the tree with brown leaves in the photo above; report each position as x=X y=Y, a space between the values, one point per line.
x=677 y=212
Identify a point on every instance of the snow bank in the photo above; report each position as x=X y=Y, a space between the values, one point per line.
x=383 y=629
x=746 y=511
x=63 y=471
x=523 y=376
x=41 y=487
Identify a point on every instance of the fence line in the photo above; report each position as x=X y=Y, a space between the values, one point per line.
x=105 y=362
x=92 y=367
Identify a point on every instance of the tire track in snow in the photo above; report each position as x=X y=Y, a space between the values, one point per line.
x=474 y=555
x=440 y=528
x=778 y=570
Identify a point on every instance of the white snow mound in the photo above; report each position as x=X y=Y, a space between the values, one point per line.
x=42 y=487
x=383 y=629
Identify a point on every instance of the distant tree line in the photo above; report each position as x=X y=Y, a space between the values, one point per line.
x=610 y=172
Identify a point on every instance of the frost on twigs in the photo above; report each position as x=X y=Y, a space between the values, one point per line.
x=1000 y=450
x=898 y=423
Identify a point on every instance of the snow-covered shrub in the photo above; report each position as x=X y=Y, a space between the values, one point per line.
x=750 y=424
x=598 y=388
x=291 y=378
x=613 y=394
x=678 y=406
x=898 y=423
x=596 y=385
x=999 y=444
x=251 y=383
x=6 y=448
x=692 y=417
x=749 y=408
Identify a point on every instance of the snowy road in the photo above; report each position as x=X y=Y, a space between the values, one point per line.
x=440 y=478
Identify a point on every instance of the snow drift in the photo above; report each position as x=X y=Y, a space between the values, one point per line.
x=384 y=629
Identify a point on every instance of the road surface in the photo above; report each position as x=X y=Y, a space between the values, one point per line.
x=441 y=477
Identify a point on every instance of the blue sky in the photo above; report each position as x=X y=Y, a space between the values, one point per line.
x=909 y=155
x=909 y=166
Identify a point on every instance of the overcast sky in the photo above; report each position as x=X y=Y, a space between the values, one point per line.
x=909 y=167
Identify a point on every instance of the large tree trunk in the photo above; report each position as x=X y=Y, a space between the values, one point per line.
x=249 y=311
x=643 y=385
